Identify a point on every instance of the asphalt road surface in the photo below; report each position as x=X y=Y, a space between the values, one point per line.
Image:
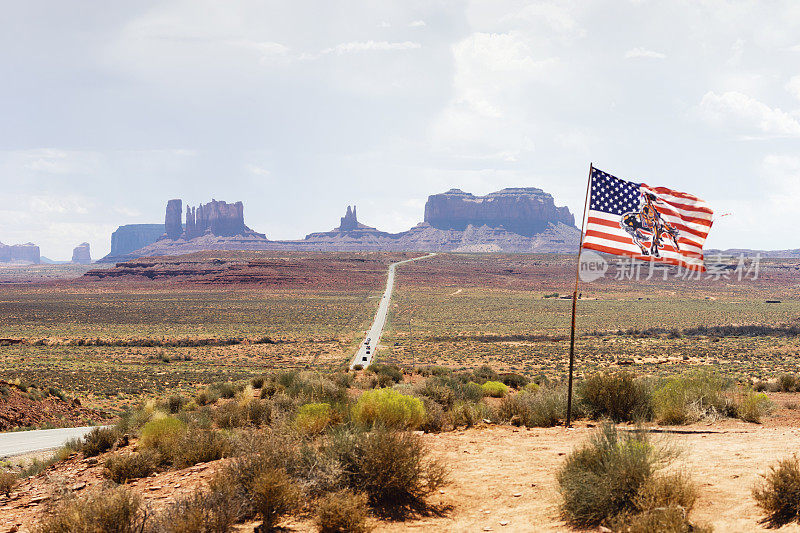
x=19 y=442
x=366 y=351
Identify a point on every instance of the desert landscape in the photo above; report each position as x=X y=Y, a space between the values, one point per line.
x=220 y=347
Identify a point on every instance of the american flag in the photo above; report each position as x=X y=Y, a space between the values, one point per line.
x=648 y=223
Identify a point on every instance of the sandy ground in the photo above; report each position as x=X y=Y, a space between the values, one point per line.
x=503 y=478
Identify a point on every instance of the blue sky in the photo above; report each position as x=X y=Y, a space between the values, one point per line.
x=300 y=108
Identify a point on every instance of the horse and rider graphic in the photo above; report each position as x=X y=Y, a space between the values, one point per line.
x=647 y=225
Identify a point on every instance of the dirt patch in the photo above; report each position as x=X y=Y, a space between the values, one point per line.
x=32 y=407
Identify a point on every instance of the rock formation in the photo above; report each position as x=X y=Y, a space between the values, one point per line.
x=525 y=211
x=349 y=221
x=172 y=220
x=349 y=229
x=81 y=254
x=19 y=253
x=218 y=218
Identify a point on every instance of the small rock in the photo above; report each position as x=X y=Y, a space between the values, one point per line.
x=78 y=486
x=517 y=494
x=37 y=499
x=604 y=529
x=503 y=522
x=561 y=453
x=487 y=421
x=154 y=487
x=487 y=528
x=441 y=491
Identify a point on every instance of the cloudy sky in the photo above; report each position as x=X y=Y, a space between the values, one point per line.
x=300 y=108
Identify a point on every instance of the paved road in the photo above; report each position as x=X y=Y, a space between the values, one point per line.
x=19 y=442
x=366 y=351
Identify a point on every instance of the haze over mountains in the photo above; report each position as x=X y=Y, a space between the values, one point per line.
x=511 y=220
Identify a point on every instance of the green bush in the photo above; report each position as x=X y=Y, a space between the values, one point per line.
x=123 y=467
x=515 y=381
x=495 y=389
x=619 y=396
x=99 y=440
x=313 y=418
x=388 y=408
x=113 y=510
x=484 y=374
x=390 y=373
x=467 y=414
x=161 y=435
x=342 y=512
x=691 y=397
x=238 y=414
x=778 y=493
x=754 y=406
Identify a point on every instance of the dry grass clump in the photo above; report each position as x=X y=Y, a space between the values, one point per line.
x=392 y=468
x=162 y=434
x=196 y=445
x=99 y=440
x=201 y=512
x=619 y=396
x=753 y=407
x=273 y=495
x=109 y=510
x=344 y=511
x=388 y=408
x=617 y=479
x=7 y=481
x=543 y=407
x=778 y=493
x=692 y=397
x=123 y=467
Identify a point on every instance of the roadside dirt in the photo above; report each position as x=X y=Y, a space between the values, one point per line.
x=503 y=478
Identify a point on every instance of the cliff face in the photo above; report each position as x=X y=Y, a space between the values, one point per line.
x=81 y=254
x=525 y=211
x=23 y=253
x=218 y=218
x=131 y=237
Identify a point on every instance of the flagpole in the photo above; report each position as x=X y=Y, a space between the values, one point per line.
x=575 y=302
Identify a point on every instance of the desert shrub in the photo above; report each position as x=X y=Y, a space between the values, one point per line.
x=313 y=418
x=761 y=385
x=619 y=396
x=446 y=390
x=273 y=494
x=515 y=381
x=225 y=390
x=392 y=467
x=205 y=397
x=788 y=383
x=389 y=373
x=195 y=445
x=435 y=371
x=544 y=408
x=257 y=382
x=175 y=403
x=123 y=467
x=753 y=407
x=495 y=389
x=99 y=440
x=214 y=511
x=484 y=374
x=436 y=419
x=690 y=398
x=110 y=510
x=7 y=481
x=602 y=479
x=389 y=408
x=311 y=387
x=467 y=414
x=243 y=413
x=342 y=512
x=778 y=493
x=162 y=434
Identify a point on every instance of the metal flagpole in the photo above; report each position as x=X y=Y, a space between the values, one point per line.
x=574 y=303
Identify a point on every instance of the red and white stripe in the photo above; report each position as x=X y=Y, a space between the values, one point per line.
x=690 y=215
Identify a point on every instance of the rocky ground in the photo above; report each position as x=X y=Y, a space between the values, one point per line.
x=34 y=408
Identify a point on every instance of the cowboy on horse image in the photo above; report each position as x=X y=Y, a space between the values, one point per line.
x=648 y=219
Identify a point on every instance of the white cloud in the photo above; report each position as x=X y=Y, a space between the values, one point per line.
x=364 y=46
x=744 y=114
x=640 y=52
x=257 y=170
x=417 y=24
